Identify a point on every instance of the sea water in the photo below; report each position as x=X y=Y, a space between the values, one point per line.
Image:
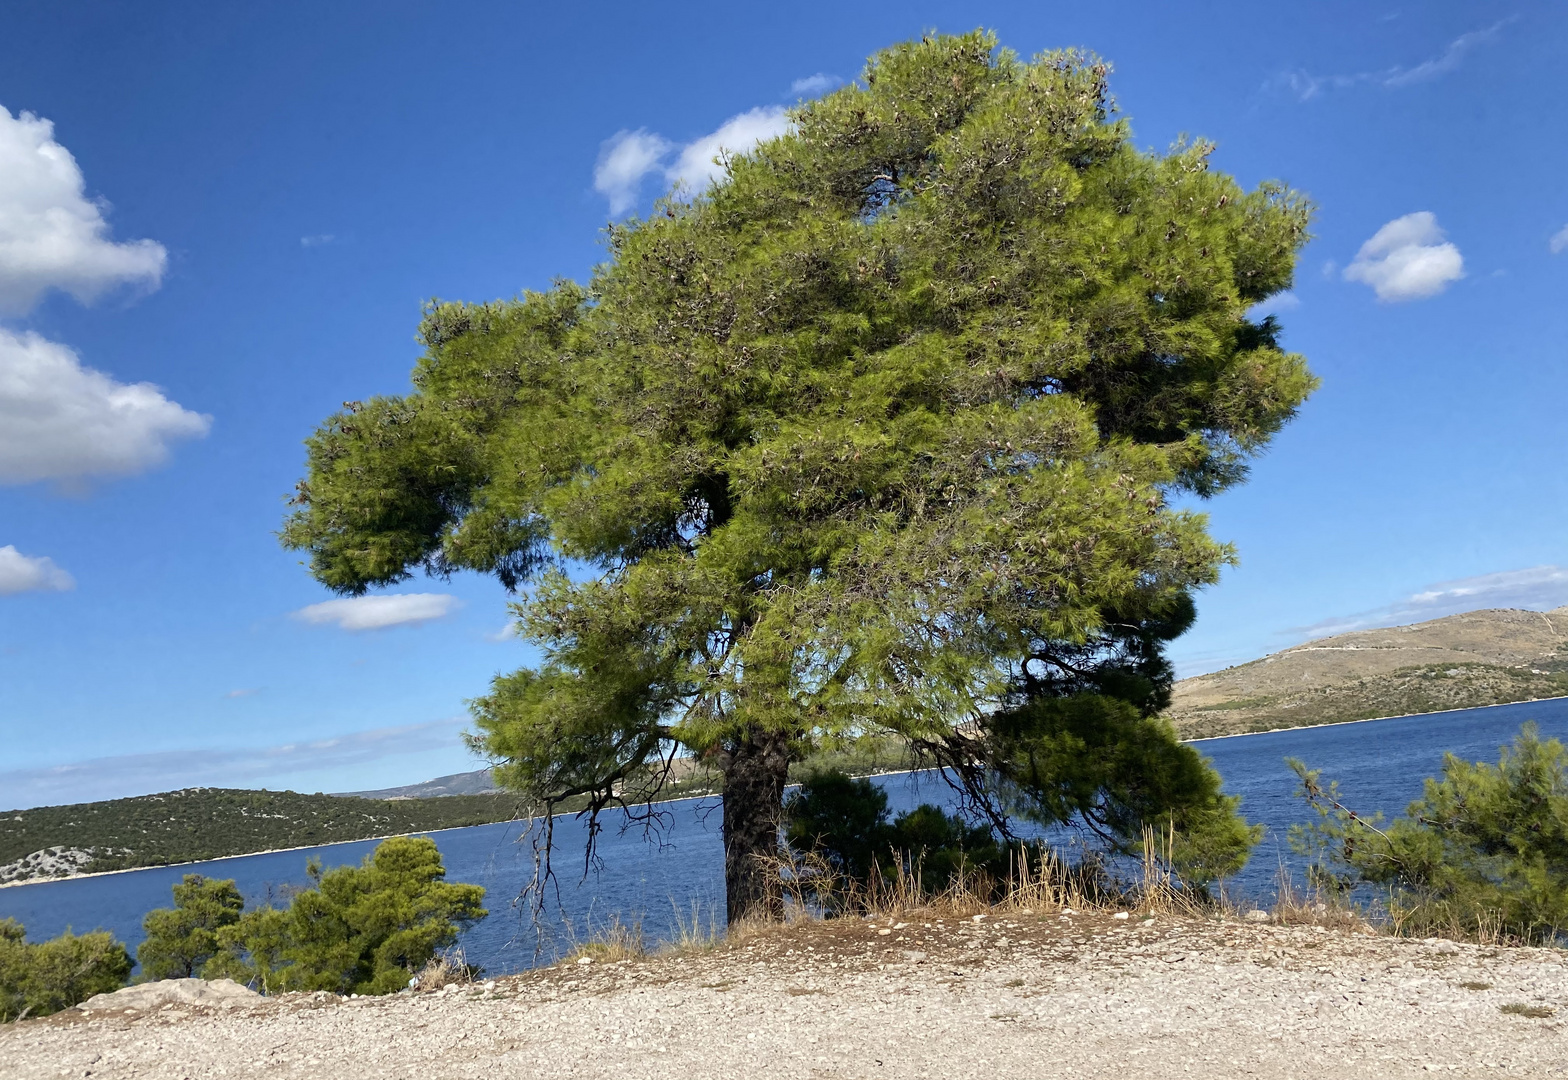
x=662 y=876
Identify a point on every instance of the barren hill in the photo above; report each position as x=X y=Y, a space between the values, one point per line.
x=1459 y=662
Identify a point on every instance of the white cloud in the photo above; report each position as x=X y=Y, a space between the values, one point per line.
x=1537 y=588
x=51 y=235
x=1448 y=61
x=379 y=612
x=509 y=632
x=624 y=159
x=1305 y=86
x=319 y=240
x=628 y=157
x=1559 y=241
x=698 y=164
x=20 y=573
x=1407 y=259
x=140 y=774
x=62 y=421
x=812 y=85
x=248 y=692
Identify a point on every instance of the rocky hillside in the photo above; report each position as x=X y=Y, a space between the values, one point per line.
x=1459 y=662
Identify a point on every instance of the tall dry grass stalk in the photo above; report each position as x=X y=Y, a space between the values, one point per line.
x=446 y=968
x=1314 y=906
x=1038 y=879
x=608 y=942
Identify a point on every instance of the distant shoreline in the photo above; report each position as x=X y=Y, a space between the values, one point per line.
x=685 y=798
x=1374 y=719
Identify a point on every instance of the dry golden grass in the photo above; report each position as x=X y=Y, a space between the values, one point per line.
x=442 y=970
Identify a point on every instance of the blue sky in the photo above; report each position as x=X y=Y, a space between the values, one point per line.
x=231 y=224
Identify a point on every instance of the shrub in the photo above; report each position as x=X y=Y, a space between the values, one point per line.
x=181 y=939
x=1483 y=852
x=362 y=929
x=845 y=821
x=42 y=978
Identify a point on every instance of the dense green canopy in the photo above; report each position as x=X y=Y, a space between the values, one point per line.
x=878 y=434
x=180 y=940
x=359 y=929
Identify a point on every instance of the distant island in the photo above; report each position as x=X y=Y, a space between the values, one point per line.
x=197 y=824
x=213 y=823
x=1491 y=657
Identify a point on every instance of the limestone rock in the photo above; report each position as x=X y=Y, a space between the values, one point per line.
x=146 y=996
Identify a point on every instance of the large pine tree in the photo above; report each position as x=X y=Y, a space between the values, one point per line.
x=878 y=434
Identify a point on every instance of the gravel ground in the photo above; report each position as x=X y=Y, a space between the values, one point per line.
x=1009 y=996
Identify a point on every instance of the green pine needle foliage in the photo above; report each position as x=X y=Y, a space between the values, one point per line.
x=882 y=434
x=43 y=978
x=845 y=820
x=359 y=929
x=180 y=940
x=1483 y=852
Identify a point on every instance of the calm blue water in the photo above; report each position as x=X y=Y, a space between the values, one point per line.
x=1380 y=765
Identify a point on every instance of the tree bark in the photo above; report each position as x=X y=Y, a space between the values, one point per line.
x=754 y=778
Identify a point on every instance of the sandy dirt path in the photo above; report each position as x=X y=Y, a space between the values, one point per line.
x=1008 y=996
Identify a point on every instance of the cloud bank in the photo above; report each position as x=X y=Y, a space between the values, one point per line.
x=142 y=774
x=20 y=574
x=65 y=422
x=627 y=158
x=1537 y=588
x=51 y=235
x=360 y=613
x=1407 y=259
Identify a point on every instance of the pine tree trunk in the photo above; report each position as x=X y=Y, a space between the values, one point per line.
x=754 y=778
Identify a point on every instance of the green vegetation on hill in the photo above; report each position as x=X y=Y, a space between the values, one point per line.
x=1459 y=662
x=213 y=823
x=1405 y=692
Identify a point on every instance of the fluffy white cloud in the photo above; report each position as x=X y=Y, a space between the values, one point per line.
x=1534 y=589
x=1559 y=241
x=51 y=235
x=624 y=159
x=812 y=85
x=699 y=162
x=62 y=421
x=627 y=157
x=1407 y=259
x=19 y=574
x=379 y=612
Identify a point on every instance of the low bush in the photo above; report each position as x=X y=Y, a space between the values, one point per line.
x=42 y=978
x=1482 y=854
x=845 y=821
x=359 y=929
